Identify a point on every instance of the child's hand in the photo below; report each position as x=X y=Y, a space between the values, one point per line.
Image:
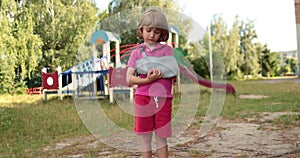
x=154 y=74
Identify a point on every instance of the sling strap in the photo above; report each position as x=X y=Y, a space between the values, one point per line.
x=166 y=64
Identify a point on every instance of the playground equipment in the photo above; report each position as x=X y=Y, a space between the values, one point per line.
x=89 y=78
x=34 y=90
x=118 y=84
x=116 y=80
x=173 y=40
x=52 y=84
x=98 y=76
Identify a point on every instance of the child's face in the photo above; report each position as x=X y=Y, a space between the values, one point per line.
x=151 y=34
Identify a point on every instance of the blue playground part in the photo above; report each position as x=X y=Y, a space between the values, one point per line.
x=104 y=35
x=85 y=77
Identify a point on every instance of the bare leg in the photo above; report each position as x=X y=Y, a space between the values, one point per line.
x=162 y=147
x=146 y=145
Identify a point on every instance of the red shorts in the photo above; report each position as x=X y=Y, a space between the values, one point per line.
x=153 y=114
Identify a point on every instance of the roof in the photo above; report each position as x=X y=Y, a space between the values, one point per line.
x=174 y=29
x=104 y=36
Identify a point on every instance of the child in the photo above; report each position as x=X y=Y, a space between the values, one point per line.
x=153 y=98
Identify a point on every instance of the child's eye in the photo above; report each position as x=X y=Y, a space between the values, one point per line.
x=157 y=32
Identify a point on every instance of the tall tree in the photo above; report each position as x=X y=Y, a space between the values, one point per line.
x=39 y=33
x=248 y=34
x=21 y=47
x=231 y=55
x=63 y=25
x=220 y=44
x=28 y=45
x=235 y=45
x=122 y=14
x=225 y=45
x=7 y=46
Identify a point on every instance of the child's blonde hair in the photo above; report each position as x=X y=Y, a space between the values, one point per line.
x=154 y=17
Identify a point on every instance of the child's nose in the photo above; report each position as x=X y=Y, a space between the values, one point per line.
x=152 y=33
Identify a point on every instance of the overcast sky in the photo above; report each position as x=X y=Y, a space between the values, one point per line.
x=274 y=20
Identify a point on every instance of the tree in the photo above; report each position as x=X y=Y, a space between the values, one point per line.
x=63 y=26
x=7 y=55
x=290 y=65
x=239 y=53
x=269 y=61
x=28 y=45
x=39 y=33
x=225 y=44
x=231 y=55
x=20 y=46
x=122 y=17
x=248 y=34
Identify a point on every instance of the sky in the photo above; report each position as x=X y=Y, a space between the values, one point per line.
x=274 y=20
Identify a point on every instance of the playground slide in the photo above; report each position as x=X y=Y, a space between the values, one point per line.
x=192 y=75
x=85 y=75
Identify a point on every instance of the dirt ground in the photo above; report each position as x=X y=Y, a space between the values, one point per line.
x=228 y=139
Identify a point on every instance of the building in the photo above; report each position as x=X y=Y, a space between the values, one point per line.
x=297 y=15
x=287 y=54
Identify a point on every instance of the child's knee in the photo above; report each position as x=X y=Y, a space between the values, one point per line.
x=161 y=142
x=146 y=142
x=146 y=137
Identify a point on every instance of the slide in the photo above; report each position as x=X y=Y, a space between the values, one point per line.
x=85 y=75
x=187 y=70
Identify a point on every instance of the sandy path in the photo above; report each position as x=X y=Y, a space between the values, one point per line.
x=227 y=139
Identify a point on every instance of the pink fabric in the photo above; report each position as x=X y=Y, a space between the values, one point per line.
x=116 y=77
x=161 y=87
x=149 y=117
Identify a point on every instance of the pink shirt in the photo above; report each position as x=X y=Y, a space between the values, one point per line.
x=161 y=87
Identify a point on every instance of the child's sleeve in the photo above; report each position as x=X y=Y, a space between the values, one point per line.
x=132 y=59
x=169 y=51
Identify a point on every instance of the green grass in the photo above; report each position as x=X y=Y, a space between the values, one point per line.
x=287 y=120
x=282 y=96
x=28 y=124
x=26 y=128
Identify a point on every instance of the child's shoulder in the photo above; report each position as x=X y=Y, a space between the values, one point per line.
x=163 y=46
x=136 y=47
x=167 y=49
x=136 y=50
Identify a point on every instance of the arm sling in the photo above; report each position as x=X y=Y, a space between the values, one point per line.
x=166 y=64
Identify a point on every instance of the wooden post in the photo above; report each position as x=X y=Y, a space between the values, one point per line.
x=59 y=92
x=118 y=61
x=169 y=42
x=74 y=81
x=176 y=45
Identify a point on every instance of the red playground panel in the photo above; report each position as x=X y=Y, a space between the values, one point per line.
x=50 y=80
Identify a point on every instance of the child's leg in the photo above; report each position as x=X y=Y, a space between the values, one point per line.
x=162 y=147
x=146 y=145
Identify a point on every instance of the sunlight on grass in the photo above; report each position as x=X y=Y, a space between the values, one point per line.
x=11 y=100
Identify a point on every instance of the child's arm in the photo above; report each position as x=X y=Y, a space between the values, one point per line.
x=134 y=80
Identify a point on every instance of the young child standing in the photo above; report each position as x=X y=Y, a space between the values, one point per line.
x=153 y=97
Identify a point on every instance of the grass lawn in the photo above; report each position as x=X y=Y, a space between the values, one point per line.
x=28 y=124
